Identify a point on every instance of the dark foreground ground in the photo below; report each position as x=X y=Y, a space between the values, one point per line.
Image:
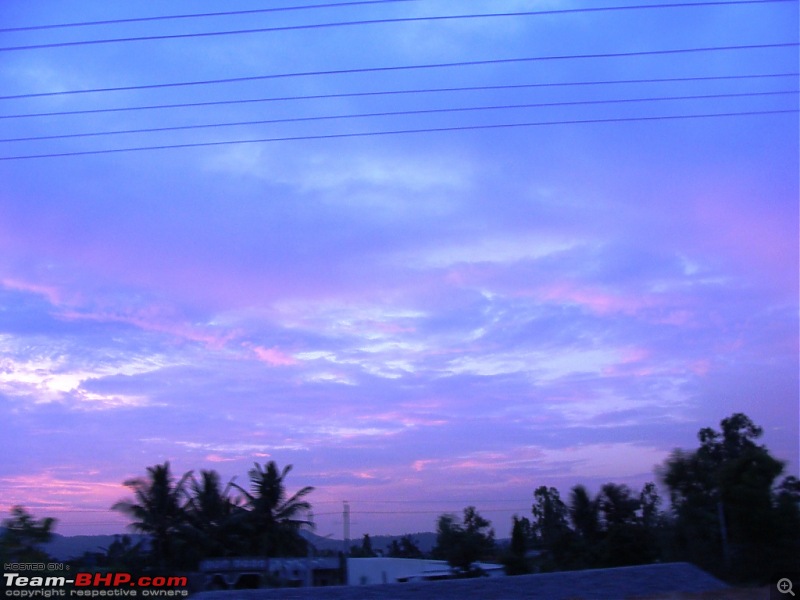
x=663 y=581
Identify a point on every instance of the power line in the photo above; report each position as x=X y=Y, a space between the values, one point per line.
x=397 y=92
x=398 y=132
x=383 y=21
x=199 y=15
x=426 y=111
x=471 y=63
x=334 y=5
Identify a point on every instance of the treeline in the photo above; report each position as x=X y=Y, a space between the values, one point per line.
x=193 y=518
x=185 y=520
x=727 y=514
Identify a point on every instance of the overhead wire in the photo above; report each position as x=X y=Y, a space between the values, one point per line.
x=364 y=134
x=393 y=113
x=383 y=21
x=399 y=68
x=327 y=6
x=227 y=13
x=395 y=68
x=424 y=111
x=398 y=92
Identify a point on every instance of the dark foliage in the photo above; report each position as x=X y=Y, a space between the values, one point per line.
x=464 y=543
x=405 y=548
x=22 y=537
x=190 y=519
x=727 y=515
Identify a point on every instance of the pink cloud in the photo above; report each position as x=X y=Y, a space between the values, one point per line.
x=153 y=317
x=421 y=465
x=630 y=364
x=156 y=319
x=216 y=458
x=406 y=420
x=596 y=300
x=52 y=293
x=80 y=504
x=274 y=357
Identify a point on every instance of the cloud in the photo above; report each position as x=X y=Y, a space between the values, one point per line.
x=273 y=357
x=430 y=319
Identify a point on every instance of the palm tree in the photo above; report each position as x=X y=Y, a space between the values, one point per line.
x=157 y=510
x=209 y=513
x=583 y=512
x=274 y=519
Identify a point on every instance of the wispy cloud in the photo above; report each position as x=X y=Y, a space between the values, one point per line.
x=422 y=319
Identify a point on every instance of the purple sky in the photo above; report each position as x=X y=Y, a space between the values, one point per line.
x=416 y=322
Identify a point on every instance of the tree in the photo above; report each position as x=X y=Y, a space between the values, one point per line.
x=123 y=555
x=157 y=510
x=585 y=518
x=625 y=540
x=584 y=514
x=210 y=513
x=551 y=531
x=365 y=550
x=650 y=503
x=405 y=548
x=787 y=515
x=617 y=505
x=273 y=518
x=549 y=516
x=515 y=561
x=22 y=536
x=462 y=544
x=724 y=503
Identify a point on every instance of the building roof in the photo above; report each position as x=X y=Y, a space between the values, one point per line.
x=592 y=584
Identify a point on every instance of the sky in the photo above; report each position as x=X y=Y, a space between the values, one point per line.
x=465 y=257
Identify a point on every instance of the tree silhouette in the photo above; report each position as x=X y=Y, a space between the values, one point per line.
x=123 y=555
x=157 y=510
x=625 y=540
x=462 y=544
x=365 y=550
x=515 y=560
x=585 y=518
x=22 y=535
x=274 y=519
x=210 y=517
x=583 y=513
x=551 y=532
x=405 y=548
x=726 y=510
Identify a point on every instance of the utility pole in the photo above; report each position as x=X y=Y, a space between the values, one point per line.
x=309 y=562
x=346 y=520
x=345 y=542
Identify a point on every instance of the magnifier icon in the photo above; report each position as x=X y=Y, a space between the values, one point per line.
x=785 y=586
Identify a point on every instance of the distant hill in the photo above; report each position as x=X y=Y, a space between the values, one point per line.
x=425 y=541
x=65 y=547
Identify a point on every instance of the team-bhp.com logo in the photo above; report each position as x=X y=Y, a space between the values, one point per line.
x=93 y=585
